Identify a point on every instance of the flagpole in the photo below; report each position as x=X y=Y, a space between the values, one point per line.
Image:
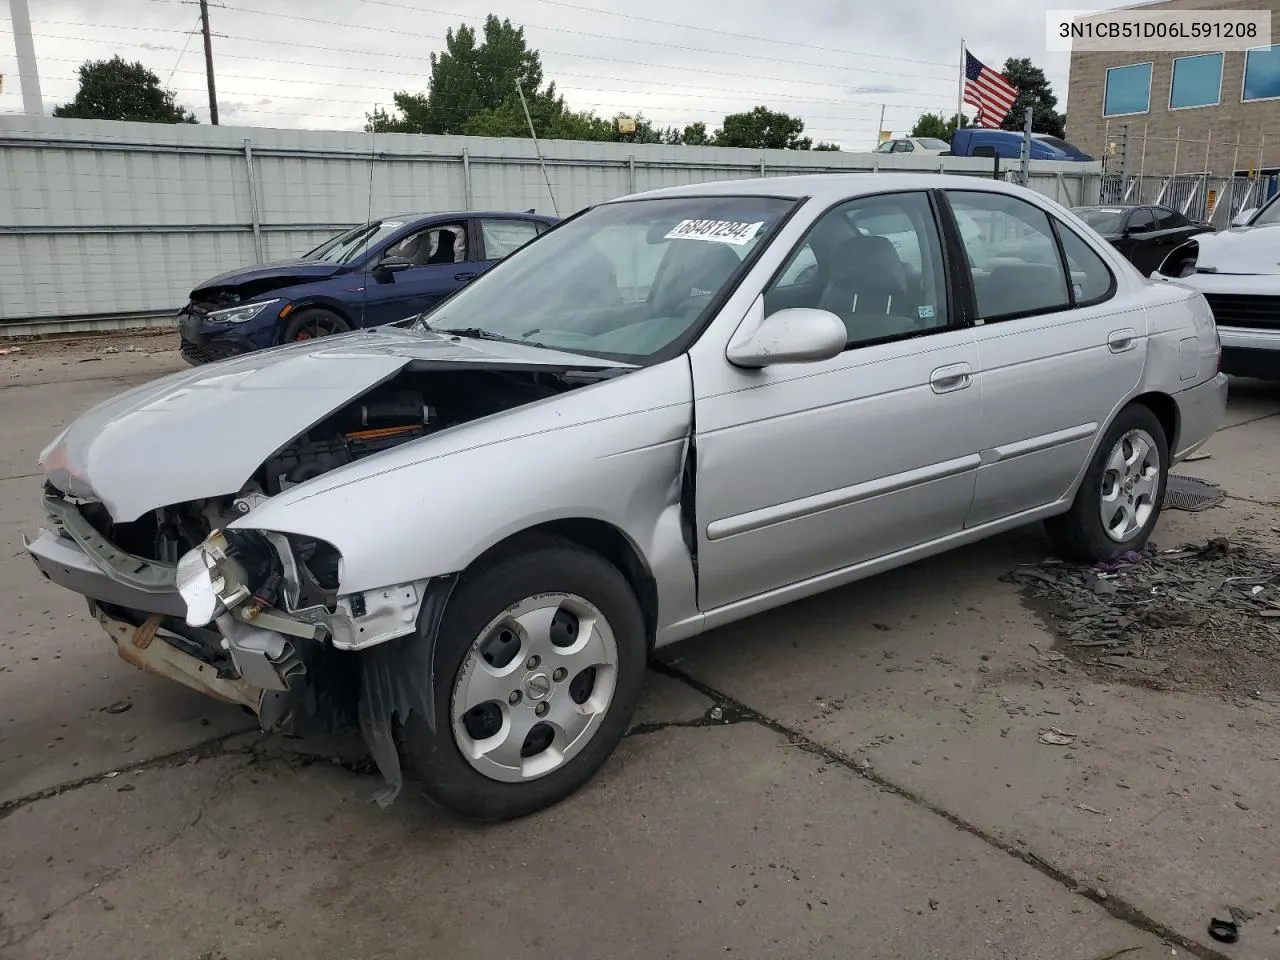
x=960 y=90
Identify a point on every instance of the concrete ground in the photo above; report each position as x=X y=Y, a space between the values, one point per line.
x=858 y=775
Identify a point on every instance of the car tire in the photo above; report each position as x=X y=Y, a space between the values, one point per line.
x=1132 y=481
x=312 y=322
x=538 y=574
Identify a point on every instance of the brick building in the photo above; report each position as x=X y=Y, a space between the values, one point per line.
x=1184 y=109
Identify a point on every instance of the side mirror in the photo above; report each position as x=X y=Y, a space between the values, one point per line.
x=1242 y=218
x=795 y=335
x=384 y=270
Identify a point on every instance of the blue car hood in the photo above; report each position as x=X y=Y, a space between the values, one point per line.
x=307 y=270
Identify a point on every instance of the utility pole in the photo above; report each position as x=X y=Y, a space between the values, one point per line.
x=28 y=75
x=208 y=61
x=1024 y=173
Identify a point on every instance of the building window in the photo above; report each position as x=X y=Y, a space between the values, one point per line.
x=1197 y=81
x=1262 y=73
x=1128 y=90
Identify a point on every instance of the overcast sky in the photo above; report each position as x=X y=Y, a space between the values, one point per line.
x=323 y=64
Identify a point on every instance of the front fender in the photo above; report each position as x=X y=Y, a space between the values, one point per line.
x=611 y=452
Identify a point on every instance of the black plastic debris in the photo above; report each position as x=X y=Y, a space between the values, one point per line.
x=1224 y=931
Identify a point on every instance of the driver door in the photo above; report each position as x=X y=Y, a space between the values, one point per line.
x=807 y=470
x=439 y=259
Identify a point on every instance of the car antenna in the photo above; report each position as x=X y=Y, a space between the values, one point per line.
x=368 y=213
x=536 y=149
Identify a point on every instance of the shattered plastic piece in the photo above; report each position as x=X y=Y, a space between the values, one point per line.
x=1057 y=738
x=1224 y=931
x=1088 y=809
x=8 y=350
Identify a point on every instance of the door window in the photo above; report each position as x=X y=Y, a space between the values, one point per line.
x=504 y=237
x=1091 y=279
x=1169 y=219
x=1141 y=221
x=443 y=243
x=1014 y=261
x=876 y=263
x=903 y=146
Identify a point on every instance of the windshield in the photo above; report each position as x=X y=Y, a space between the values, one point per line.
x=929 y=143
x=345 y=247
x=1102 y=220
x=1269 y=214
x=623 y=280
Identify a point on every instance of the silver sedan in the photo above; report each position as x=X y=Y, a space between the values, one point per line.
x=465 y=533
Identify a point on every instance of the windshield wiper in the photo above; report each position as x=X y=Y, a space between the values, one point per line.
x=473 y=333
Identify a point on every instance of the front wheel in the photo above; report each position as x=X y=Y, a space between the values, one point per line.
x=1118 y=503
x=312 y=322
x=541 y=658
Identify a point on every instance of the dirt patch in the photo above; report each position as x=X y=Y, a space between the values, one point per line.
x=1202 y=616
x=145 y=340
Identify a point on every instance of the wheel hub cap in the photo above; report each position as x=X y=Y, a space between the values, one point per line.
x=1130 y=483
x=534 y=687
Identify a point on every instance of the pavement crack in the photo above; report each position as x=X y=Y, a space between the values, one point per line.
x=1245 y=423
x=1259 y=503
x=717 y=715
x=1118 y=953
x=205 y=750
x=1117 y=907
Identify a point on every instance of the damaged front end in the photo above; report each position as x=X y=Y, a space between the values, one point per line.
x=197 y=593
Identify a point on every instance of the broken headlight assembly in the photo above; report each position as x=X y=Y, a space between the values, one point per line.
x=239 y=314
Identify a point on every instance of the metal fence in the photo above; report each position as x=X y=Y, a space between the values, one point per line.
x=112 y=224
x=1215 y=200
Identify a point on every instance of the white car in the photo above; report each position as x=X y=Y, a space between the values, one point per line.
x=927 y=146
x=1238 y=271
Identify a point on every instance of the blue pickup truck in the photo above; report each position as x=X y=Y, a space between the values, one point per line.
x=1007 y=144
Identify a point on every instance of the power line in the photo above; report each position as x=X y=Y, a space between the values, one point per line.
x=419 y=59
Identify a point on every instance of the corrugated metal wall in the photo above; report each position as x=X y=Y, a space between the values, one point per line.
x=121 y=220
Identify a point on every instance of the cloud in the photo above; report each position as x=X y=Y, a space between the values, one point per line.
x=324 y=64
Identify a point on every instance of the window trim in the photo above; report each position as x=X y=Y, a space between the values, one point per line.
x=1244 y=75
x=1151 y=71
x=1222 y=69
x=965 y=280
x=955 y=320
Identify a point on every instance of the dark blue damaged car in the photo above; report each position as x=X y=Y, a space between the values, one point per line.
x=373 y=274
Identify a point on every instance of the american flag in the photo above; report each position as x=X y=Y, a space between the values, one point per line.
x=987 y=90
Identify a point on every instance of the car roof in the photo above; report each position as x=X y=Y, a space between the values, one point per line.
x=830 y=186
x=459 y=214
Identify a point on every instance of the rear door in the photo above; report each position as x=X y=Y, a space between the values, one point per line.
x=1058 y=348
x=499 y=237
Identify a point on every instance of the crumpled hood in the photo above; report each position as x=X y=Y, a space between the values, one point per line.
x=203 y=432
x=281 y=269
x=1241 y=250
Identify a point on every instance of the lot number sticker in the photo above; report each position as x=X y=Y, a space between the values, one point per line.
x=717 y=231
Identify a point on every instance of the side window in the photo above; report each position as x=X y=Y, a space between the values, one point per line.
x=903 y=146
x=1168 y=219
x=886 y=147
x=1091 y=279
x=876 y=263
x=504 y=237
x=439 y=244
x=1014 y=258
x=1141 y=220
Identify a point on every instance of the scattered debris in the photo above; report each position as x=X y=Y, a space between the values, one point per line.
x=1224 y=931
x=5 y=351
x=716 y=713
x=1195 y=457
x=125 y=788
x=1088 y=809
x=111 y=350
x=120 y=706
x=1058 y=738
x=1241 y=915
x=1206 y=614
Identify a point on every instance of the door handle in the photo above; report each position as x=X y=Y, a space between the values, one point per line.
x=1118 y=341
x=465 y=275
x=957 y=376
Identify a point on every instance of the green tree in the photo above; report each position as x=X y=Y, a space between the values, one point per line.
x=937 y=126
x=468 y=79
x=1035 y=92
x=695 y=135
x=763 y=129
x=833 y=147
x=117 y=90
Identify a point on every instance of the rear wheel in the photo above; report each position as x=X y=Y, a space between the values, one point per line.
x=540 y=662
x=1119 y=502
x=312 y=322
